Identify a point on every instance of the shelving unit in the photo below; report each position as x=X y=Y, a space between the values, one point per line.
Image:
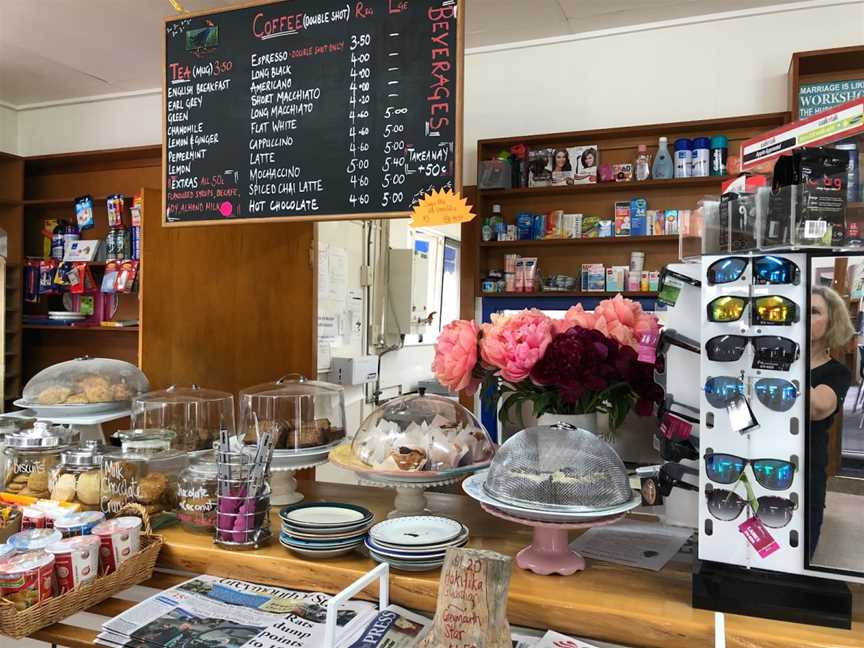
x=48 y=186
x=566 y=256
x=81 y=329
x=604 y=241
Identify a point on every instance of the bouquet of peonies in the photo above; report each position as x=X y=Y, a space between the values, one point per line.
x=587 y=362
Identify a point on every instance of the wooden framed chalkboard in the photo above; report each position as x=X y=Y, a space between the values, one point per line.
x=311 y=110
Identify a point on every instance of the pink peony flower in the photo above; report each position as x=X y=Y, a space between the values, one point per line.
x=456 y=356
x=620 y=319
x=514 y=344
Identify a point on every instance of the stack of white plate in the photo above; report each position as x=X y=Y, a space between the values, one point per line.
x=324 y=529
x=416 y=543
x=66 y=316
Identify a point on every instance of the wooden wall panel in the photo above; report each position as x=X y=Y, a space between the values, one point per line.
x=226 y=307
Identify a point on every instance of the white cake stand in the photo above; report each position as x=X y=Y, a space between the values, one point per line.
x=283 y=485
x=410 y=495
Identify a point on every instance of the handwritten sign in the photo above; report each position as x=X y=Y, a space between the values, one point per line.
x=311 y=109
x=441 y=208
x=472 y=602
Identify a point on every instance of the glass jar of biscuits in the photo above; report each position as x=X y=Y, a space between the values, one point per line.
x=30 y=457
x=77 y=478
x=197 y=491
x=145 y=479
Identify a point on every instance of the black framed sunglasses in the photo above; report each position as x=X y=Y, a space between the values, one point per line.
x=773 y=474
x=766 y=270
x=770 y=351
x=774 y=512
x=676 y=451
x=672 y=476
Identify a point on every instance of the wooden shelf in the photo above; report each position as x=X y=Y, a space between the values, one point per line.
x=62 y=202
x=7 y=202
x=92 y=329
x=555 y=293
x=606 y=240
x=600 y=187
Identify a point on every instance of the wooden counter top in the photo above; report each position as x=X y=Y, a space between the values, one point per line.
x=612 y=603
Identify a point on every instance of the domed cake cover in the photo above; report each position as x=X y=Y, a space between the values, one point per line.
x=422 y=433
x=300 y=413
x=558 y=467
x=193 y=413
x=85 y=380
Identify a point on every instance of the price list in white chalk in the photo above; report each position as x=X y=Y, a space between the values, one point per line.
x=310 y=109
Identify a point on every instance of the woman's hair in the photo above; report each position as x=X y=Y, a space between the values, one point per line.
x=839 y=330
x=593 y=153
x=566 y=166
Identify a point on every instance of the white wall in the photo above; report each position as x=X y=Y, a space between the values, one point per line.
x=132 y=120
x=696 y=70
x=8 y=130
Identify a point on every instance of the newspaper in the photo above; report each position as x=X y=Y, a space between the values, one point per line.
x=556 y=640
x=392 y=627
x=212 y=612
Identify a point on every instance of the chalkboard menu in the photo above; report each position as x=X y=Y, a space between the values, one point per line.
x=311 y=109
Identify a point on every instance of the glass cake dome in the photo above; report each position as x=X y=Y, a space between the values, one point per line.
x=418 y=432
x=558 y=467
x=300 y=413
x=84 y=381
x=194 y=414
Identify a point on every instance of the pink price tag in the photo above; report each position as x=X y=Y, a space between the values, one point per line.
x=758 y=537
x=648 y=348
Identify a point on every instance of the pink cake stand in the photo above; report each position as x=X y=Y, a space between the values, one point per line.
x=549 y=551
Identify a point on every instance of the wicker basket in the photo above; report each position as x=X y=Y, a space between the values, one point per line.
x=131 y=572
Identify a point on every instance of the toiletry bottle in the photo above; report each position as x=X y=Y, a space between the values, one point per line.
x=642 y=164
x=663 y=168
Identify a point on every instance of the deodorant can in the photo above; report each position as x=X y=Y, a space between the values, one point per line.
x=683 y=157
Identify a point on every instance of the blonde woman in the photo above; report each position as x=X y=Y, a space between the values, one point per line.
x=830 y=329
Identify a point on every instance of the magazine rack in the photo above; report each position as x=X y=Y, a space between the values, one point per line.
x=382 y=574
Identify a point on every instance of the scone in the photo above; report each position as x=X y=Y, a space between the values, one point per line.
x=77 y=399
x=53 y=395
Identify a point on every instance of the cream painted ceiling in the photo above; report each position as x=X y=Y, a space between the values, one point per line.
x=62 y=49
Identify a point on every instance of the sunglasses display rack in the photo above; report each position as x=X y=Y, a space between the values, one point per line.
x=753 y=442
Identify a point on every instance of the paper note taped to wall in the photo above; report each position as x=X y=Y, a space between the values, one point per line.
x=441 y=208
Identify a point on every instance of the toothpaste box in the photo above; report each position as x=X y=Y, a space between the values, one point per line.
x=593 y=277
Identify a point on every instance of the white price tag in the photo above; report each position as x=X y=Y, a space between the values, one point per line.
x=741 y=418
x=815 y=229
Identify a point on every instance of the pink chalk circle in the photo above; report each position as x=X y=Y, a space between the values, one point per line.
x=226 y=209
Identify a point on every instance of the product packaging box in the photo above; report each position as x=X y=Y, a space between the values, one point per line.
x=539 y=167
x=654 y=280
x=587 y=158
x=525 y=226
x=622 y=218
x=607 y=228
x=554 y=224
x=622 y=172
x=671 y=218
x=593 y=277
x=633 y=282
x=590 y=226
x=645 y=281
x=638 y=217
x=572 y=226
x=616 y=278
x=656 y=220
